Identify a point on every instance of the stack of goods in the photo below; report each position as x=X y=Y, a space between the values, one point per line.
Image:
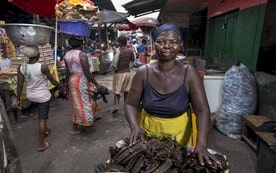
x=46 y=56
x=7 y=51
x=10 y=48
x=84 y=10
x=76 y=18
x=155 y=155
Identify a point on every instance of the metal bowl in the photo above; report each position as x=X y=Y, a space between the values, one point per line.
x=28 y=34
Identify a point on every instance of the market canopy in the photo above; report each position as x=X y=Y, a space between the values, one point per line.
x=126 y=26
x=173 y=11
x=141 y=7
x=110 y=16
x=146 y=22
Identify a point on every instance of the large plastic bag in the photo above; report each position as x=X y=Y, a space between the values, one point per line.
x=239 y=98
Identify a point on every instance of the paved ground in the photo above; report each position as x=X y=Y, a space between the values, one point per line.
x=79 y=153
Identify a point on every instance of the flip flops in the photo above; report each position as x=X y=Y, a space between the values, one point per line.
x=97 y=118
x=115 y=111
x=44 y=147
x=75 y=132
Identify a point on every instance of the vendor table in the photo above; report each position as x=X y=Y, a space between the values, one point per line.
x=6 y=93
x=8 y=96
x=251 y=122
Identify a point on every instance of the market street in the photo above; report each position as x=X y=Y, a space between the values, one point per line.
x=80 y=153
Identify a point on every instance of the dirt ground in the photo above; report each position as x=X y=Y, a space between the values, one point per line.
x=80 y=153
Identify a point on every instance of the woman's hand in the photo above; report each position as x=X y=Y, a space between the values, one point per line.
x=135 y=135
x=102 y=89
x=63 y=92
x=18 y=104
x=205 y=157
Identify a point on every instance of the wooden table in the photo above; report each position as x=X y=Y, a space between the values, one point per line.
x=251 y=122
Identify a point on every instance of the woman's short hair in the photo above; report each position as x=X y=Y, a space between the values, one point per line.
x=75 y=42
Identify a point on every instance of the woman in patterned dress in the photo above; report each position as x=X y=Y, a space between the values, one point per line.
x=81 y=84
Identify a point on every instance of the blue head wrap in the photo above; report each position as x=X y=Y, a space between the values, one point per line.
x=167 y=27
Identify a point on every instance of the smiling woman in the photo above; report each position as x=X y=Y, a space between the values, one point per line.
x=160 y=98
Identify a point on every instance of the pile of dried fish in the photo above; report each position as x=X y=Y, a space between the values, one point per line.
x=157 y=156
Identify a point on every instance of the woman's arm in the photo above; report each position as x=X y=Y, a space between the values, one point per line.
x=85 y=66
x=132 y=103
x=20 y=83
x=45 y=70
x=201 y=107
x=67 y=75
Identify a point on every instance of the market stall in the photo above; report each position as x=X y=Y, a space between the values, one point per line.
x=13 y=39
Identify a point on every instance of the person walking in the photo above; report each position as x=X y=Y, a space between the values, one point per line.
x=135 y=49
x=122 y=76
x=165 y=89
x=37 y=90
x=142 y=51
x=81 y=84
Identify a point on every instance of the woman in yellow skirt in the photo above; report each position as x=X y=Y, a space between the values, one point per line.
x=165 y=90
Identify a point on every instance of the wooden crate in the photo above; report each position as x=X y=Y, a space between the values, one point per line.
x=251 y=122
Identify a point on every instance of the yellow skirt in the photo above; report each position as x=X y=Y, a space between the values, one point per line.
x=179 y=129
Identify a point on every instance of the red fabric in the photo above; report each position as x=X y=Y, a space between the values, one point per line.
x=127 y=27
x=146 y=22
x=45 y=8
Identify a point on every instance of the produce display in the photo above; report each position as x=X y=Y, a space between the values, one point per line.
x=46 y=57
x=156 y=156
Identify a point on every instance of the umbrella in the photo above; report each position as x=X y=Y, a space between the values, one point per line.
x=146 y=22
x=45 y=8
x=126 y=27
x=147 y=25
x=109 y=16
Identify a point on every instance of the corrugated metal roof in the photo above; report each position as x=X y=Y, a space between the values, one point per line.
x=173 y=11
x=141 y=7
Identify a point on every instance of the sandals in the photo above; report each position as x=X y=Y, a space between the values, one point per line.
x=97 y=118
x=75 y=132
x=115 y=111
x=44 y=147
